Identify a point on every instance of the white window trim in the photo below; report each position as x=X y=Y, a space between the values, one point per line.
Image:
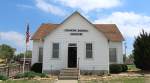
x=52 y=51
x=116 y=56
x=39 y=53
x=93 y=52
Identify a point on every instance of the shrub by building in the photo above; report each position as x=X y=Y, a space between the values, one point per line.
x=2 y=77
x=37 y=67
x=118 y=68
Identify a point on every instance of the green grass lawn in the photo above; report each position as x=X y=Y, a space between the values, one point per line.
x=27 y=81
x=116 y=80
x=129 y=80
x=120 y=80
x=132 y=68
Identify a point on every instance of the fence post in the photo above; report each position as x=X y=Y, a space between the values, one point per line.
x=28 y=67
x=7 y=71
x=18 y=67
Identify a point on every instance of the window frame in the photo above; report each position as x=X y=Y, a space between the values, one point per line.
x=110 y=60
x=89 y=50
x=55 y=50
x=40 y=56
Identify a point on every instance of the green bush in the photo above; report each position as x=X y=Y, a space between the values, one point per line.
x=124 y=67
x=115 y=68
x=2 y=77
x=42 y=75
x=37 y=67
x=30 y=74
x=19 y=75
x=118 y=68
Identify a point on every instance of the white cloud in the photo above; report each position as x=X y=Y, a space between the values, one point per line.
x=89 y=5
x=129 y=23
x=49 y=8
x=15 y=39
x=12 y=36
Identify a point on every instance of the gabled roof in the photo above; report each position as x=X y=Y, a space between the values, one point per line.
x=43 y=30
x=110 y=31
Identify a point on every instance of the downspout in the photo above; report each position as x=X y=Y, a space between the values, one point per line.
x=108 y=57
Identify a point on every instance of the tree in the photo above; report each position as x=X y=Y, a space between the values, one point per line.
x=141 y=51
x=130 y=59
x=131 y=56
x=29 y=54
x=124 y=58
x=6 y=52
x=21 y=55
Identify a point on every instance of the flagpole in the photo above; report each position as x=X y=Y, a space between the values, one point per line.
x=24 y=54
x=24 y=58
x=26 y=43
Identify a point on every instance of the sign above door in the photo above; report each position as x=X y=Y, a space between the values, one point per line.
x=76 y=31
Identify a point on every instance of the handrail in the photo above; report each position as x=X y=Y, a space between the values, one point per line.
x=78 y=62
x=78 y=67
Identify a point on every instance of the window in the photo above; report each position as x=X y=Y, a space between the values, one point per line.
x=89 y=50
x=41 y=54
x=112 y=55
x=55 y=50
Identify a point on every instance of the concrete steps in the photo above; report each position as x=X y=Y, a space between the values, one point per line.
x=69 y=73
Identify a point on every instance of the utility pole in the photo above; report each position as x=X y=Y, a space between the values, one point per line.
x=125 y=48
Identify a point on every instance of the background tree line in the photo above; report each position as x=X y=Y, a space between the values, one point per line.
x=7 y=53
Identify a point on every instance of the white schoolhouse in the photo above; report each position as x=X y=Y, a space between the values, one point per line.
x=77 y=43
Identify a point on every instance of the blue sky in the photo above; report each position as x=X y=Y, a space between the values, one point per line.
x=131 y=16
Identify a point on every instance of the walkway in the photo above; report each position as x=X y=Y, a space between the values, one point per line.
x=67 y=81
